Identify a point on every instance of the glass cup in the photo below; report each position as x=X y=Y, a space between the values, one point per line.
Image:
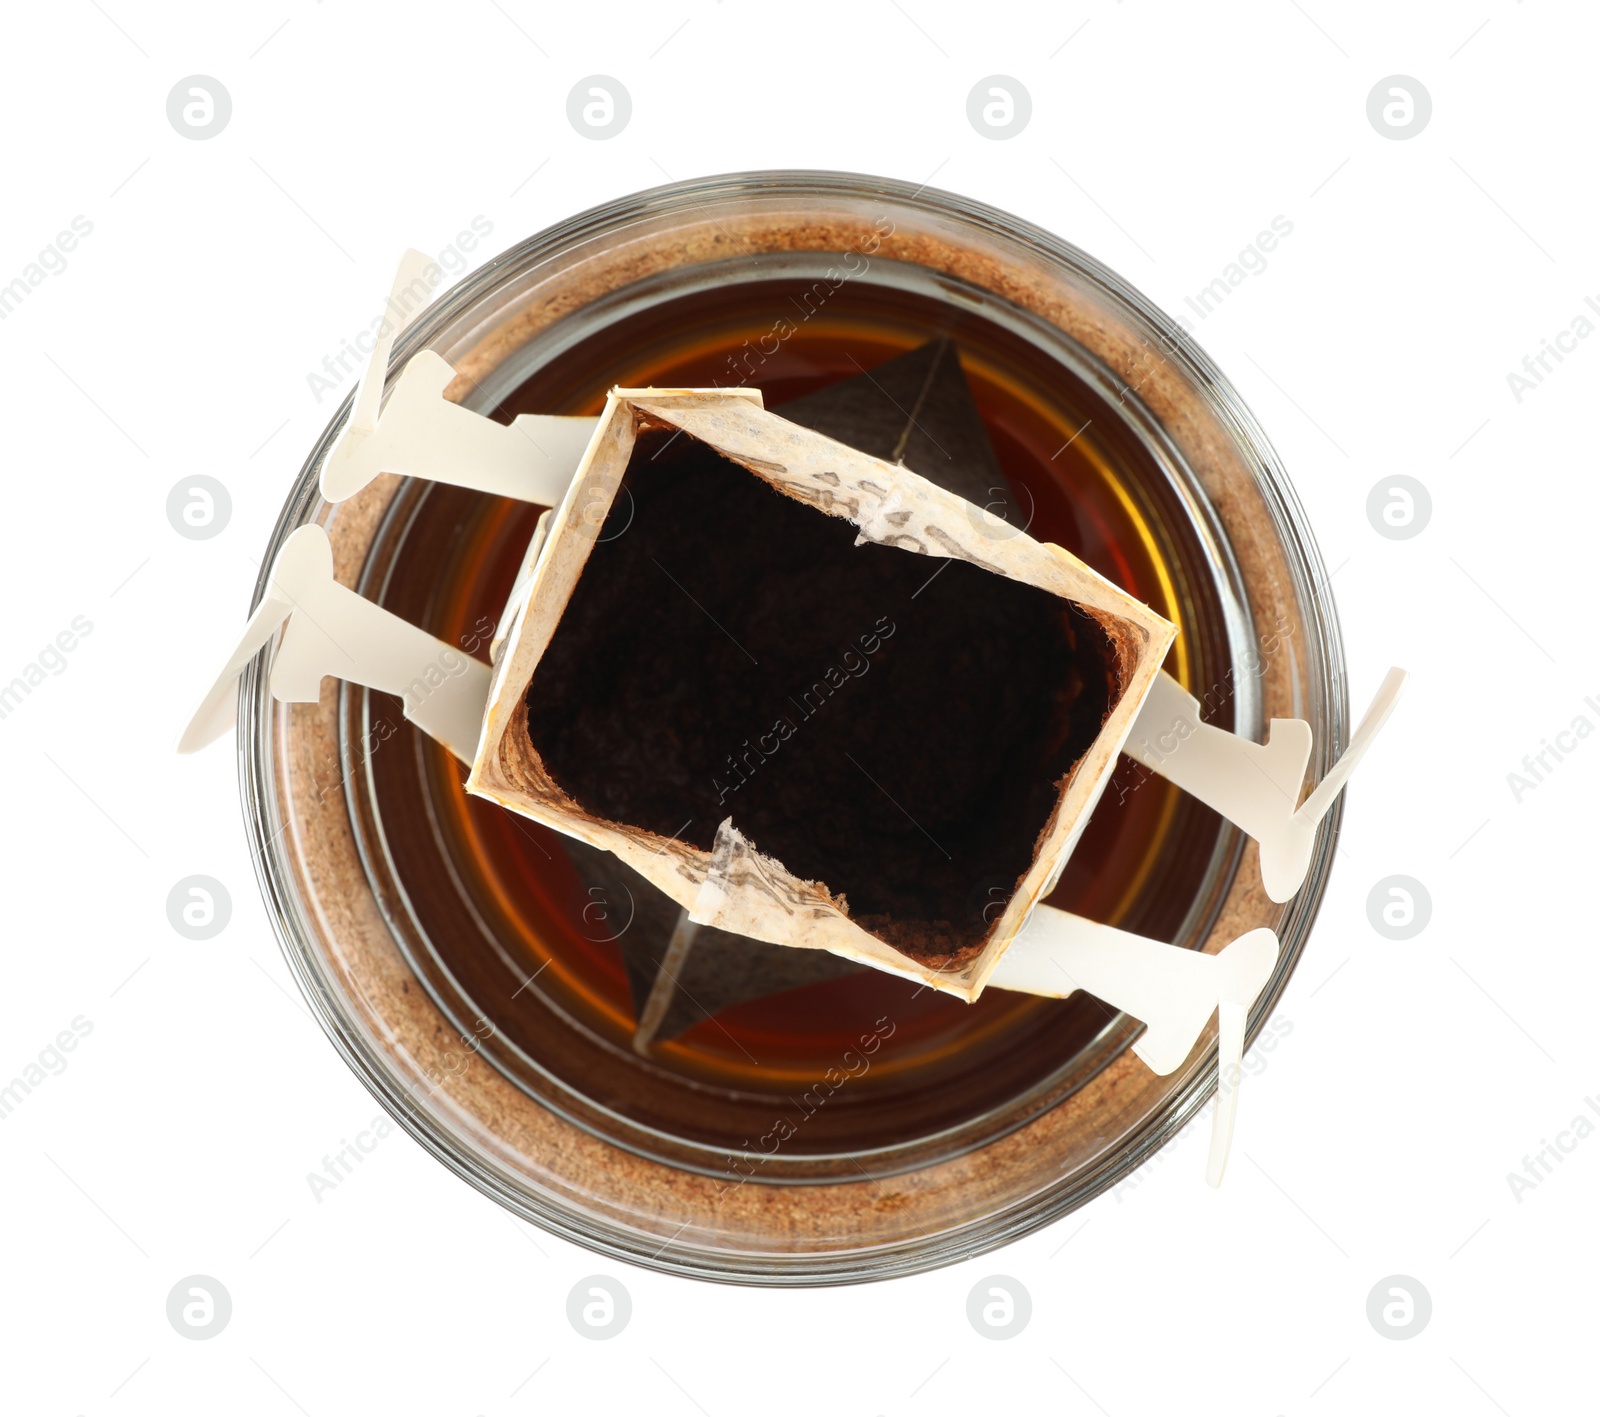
x=448 y=952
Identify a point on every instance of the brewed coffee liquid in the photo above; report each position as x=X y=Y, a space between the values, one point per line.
x=497 y=900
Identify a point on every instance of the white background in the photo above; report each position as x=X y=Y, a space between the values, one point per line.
x=177 y=341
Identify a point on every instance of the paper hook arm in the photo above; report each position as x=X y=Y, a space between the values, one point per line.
x=331 y=631
x=1255 y=786
x=1172 y=991
x=420 y=433
x=216 y=712
x=404 y=304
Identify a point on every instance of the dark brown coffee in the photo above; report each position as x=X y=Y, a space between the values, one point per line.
x=894 y=727
x=493 y=900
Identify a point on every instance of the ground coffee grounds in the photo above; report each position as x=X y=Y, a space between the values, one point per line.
x=893 y=726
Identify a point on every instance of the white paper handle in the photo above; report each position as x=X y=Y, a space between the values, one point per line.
x=215 y=715
x=1172 y=991
x=1255 y=786
x=1232 y=1019
x=420 y=433
x=407 y=298
x=332 y=631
